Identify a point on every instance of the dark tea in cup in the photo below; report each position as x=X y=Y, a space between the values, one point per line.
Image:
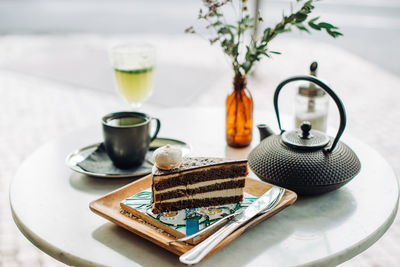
x=125 y=121
x=127 y=137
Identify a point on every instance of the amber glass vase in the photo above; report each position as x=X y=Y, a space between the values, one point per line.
x=239 y=114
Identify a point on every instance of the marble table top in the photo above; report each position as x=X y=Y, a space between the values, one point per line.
x=50 y=206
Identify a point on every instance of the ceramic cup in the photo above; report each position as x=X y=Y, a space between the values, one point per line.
x=127 y=137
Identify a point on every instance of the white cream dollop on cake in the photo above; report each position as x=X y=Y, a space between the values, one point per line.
x=167 y=157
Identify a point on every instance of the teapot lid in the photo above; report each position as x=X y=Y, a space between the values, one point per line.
x=305 y=138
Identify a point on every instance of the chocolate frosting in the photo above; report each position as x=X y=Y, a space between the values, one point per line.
x=191 y=163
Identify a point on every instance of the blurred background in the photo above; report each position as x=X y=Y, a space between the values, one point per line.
x=66 y=42
x=371 y=30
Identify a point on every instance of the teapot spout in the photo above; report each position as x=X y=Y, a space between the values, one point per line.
x=265 y=131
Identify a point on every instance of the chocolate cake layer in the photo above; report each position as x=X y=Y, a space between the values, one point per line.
x=209 y=174
x=187 y=192
x=195 y=203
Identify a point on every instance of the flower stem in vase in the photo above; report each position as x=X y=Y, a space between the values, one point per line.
x=239 y=114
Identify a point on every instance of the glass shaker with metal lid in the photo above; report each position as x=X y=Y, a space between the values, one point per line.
x=312 y=104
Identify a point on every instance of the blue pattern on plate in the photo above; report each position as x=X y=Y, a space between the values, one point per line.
x=187 y=221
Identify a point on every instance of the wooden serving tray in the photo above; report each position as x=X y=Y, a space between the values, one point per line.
x=108 y=207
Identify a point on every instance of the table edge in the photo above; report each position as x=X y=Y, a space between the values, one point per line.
x=362 y=245
x=50 y=249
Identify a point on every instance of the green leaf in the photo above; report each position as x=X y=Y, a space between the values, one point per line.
x=302 y=28
x=326 y=25
x=334 y=34
x=246 y=66
x=275 y=52
x=300 y=17
x=313 y=20
x=266 y=54
x=261 y=47
x=266 y=34
x=307 y=7
x=229 y=47
x=284 y=30
x=313 y=25
x=217 y=23
x=226 y=31
x=211 y=14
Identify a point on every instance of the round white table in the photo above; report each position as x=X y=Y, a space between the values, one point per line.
x=50 y=205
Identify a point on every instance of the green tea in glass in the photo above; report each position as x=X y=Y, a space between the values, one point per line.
x=134 y=70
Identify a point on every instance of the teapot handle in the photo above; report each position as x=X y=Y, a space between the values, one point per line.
x=328 y=90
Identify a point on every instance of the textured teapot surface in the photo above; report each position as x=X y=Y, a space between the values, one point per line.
x=305 y=172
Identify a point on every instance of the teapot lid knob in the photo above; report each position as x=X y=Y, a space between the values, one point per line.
x=305 y=130
x=305 y=138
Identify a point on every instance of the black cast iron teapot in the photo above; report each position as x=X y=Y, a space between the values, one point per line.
x=304 y=160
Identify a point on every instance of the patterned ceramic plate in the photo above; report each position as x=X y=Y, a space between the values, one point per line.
x=186 y=221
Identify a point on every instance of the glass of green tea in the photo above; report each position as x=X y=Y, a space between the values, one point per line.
x=133 y=66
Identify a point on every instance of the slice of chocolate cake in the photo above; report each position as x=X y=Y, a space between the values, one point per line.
x=198 y=182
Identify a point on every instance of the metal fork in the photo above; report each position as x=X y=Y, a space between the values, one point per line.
x=230 y=217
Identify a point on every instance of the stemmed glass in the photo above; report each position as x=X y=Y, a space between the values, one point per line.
x=133 y=66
